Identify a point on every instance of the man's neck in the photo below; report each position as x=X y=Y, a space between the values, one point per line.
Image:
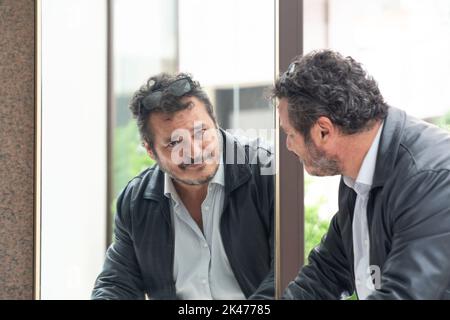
x=192 y=197
x=354 y=149
x=191 y=193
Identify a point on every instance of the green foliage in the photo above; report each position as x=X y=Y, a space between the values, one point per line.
x=130 y=157
x=352 y=297
x=315 y=228
x=444 y=121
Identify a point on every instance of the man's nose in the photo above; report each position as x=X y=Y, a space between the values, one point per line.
x=196 y=148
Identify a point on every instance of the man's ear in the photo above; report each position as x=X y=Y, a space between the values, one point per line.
x=323 y=131
x=149 y=151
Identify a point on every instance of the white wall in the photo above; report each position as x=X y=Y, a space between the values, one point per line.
x=73 y=146
x=405 y=45
x=217 y=34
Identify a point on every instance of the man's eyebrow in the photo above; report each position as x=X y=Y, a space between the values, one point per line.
x=189 y=104
x=197 y=127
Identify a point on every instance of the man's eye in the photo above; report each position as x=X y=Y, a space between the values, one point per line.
x=200 y=133
x=174 y=143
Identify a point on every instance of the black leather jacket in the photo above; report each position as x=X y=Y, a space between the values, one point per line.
x=408 y=215
x=140 y=261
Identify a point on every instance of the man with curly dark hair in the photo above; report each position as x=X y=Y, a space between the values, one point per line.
x=391 y=236
x=199 y=223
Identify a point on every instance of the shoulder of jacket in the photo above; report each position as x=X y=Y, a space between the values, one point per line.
x=136 y=186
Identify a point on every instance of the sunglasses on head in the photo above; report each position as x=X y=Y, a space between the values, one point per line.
x=176 y=88
x=289 y=71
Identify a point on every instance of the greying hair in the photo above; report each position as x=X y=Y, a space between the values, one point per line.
x=324 y=83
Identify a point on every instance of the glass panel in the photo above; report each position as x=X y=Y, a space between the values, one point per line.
x=227 y=45
x=233 y=62
x=404 y=45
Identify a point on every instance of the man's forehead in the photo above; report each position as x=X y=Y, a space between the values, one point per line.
x=185 y=120
x=190 y=124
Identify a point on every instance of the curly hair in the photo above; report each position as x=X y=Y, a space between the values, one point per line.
x=324 y=83
x=169 y=104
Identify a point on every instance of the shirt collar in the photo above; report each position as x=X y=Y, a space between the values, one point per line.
x=366 y=172
x=219 y=177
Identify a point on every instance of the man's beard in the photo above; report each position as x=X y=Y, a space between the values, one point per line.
x=190 y=182
x=320 y=163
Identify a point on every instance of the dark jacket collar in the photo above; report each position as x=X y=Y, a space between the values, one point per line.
x=389 y=145
x=236 y=174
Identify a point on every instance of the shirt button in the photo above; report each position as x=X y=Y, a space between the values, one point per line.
x=204 y=281
x=205 y=245
x=207 y=208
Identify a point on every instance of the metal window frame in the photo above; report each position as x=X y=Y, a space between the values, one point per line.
x=289 y=211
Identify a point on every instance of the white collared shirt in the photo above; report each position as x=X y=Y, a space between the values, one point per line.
x=201 y=267
x=361 y=239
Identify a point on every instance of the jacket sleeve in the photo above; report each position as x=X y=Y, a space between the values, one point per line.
x=418 y=265
x=266 y=290
x=327 y=276
x=121 y=277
